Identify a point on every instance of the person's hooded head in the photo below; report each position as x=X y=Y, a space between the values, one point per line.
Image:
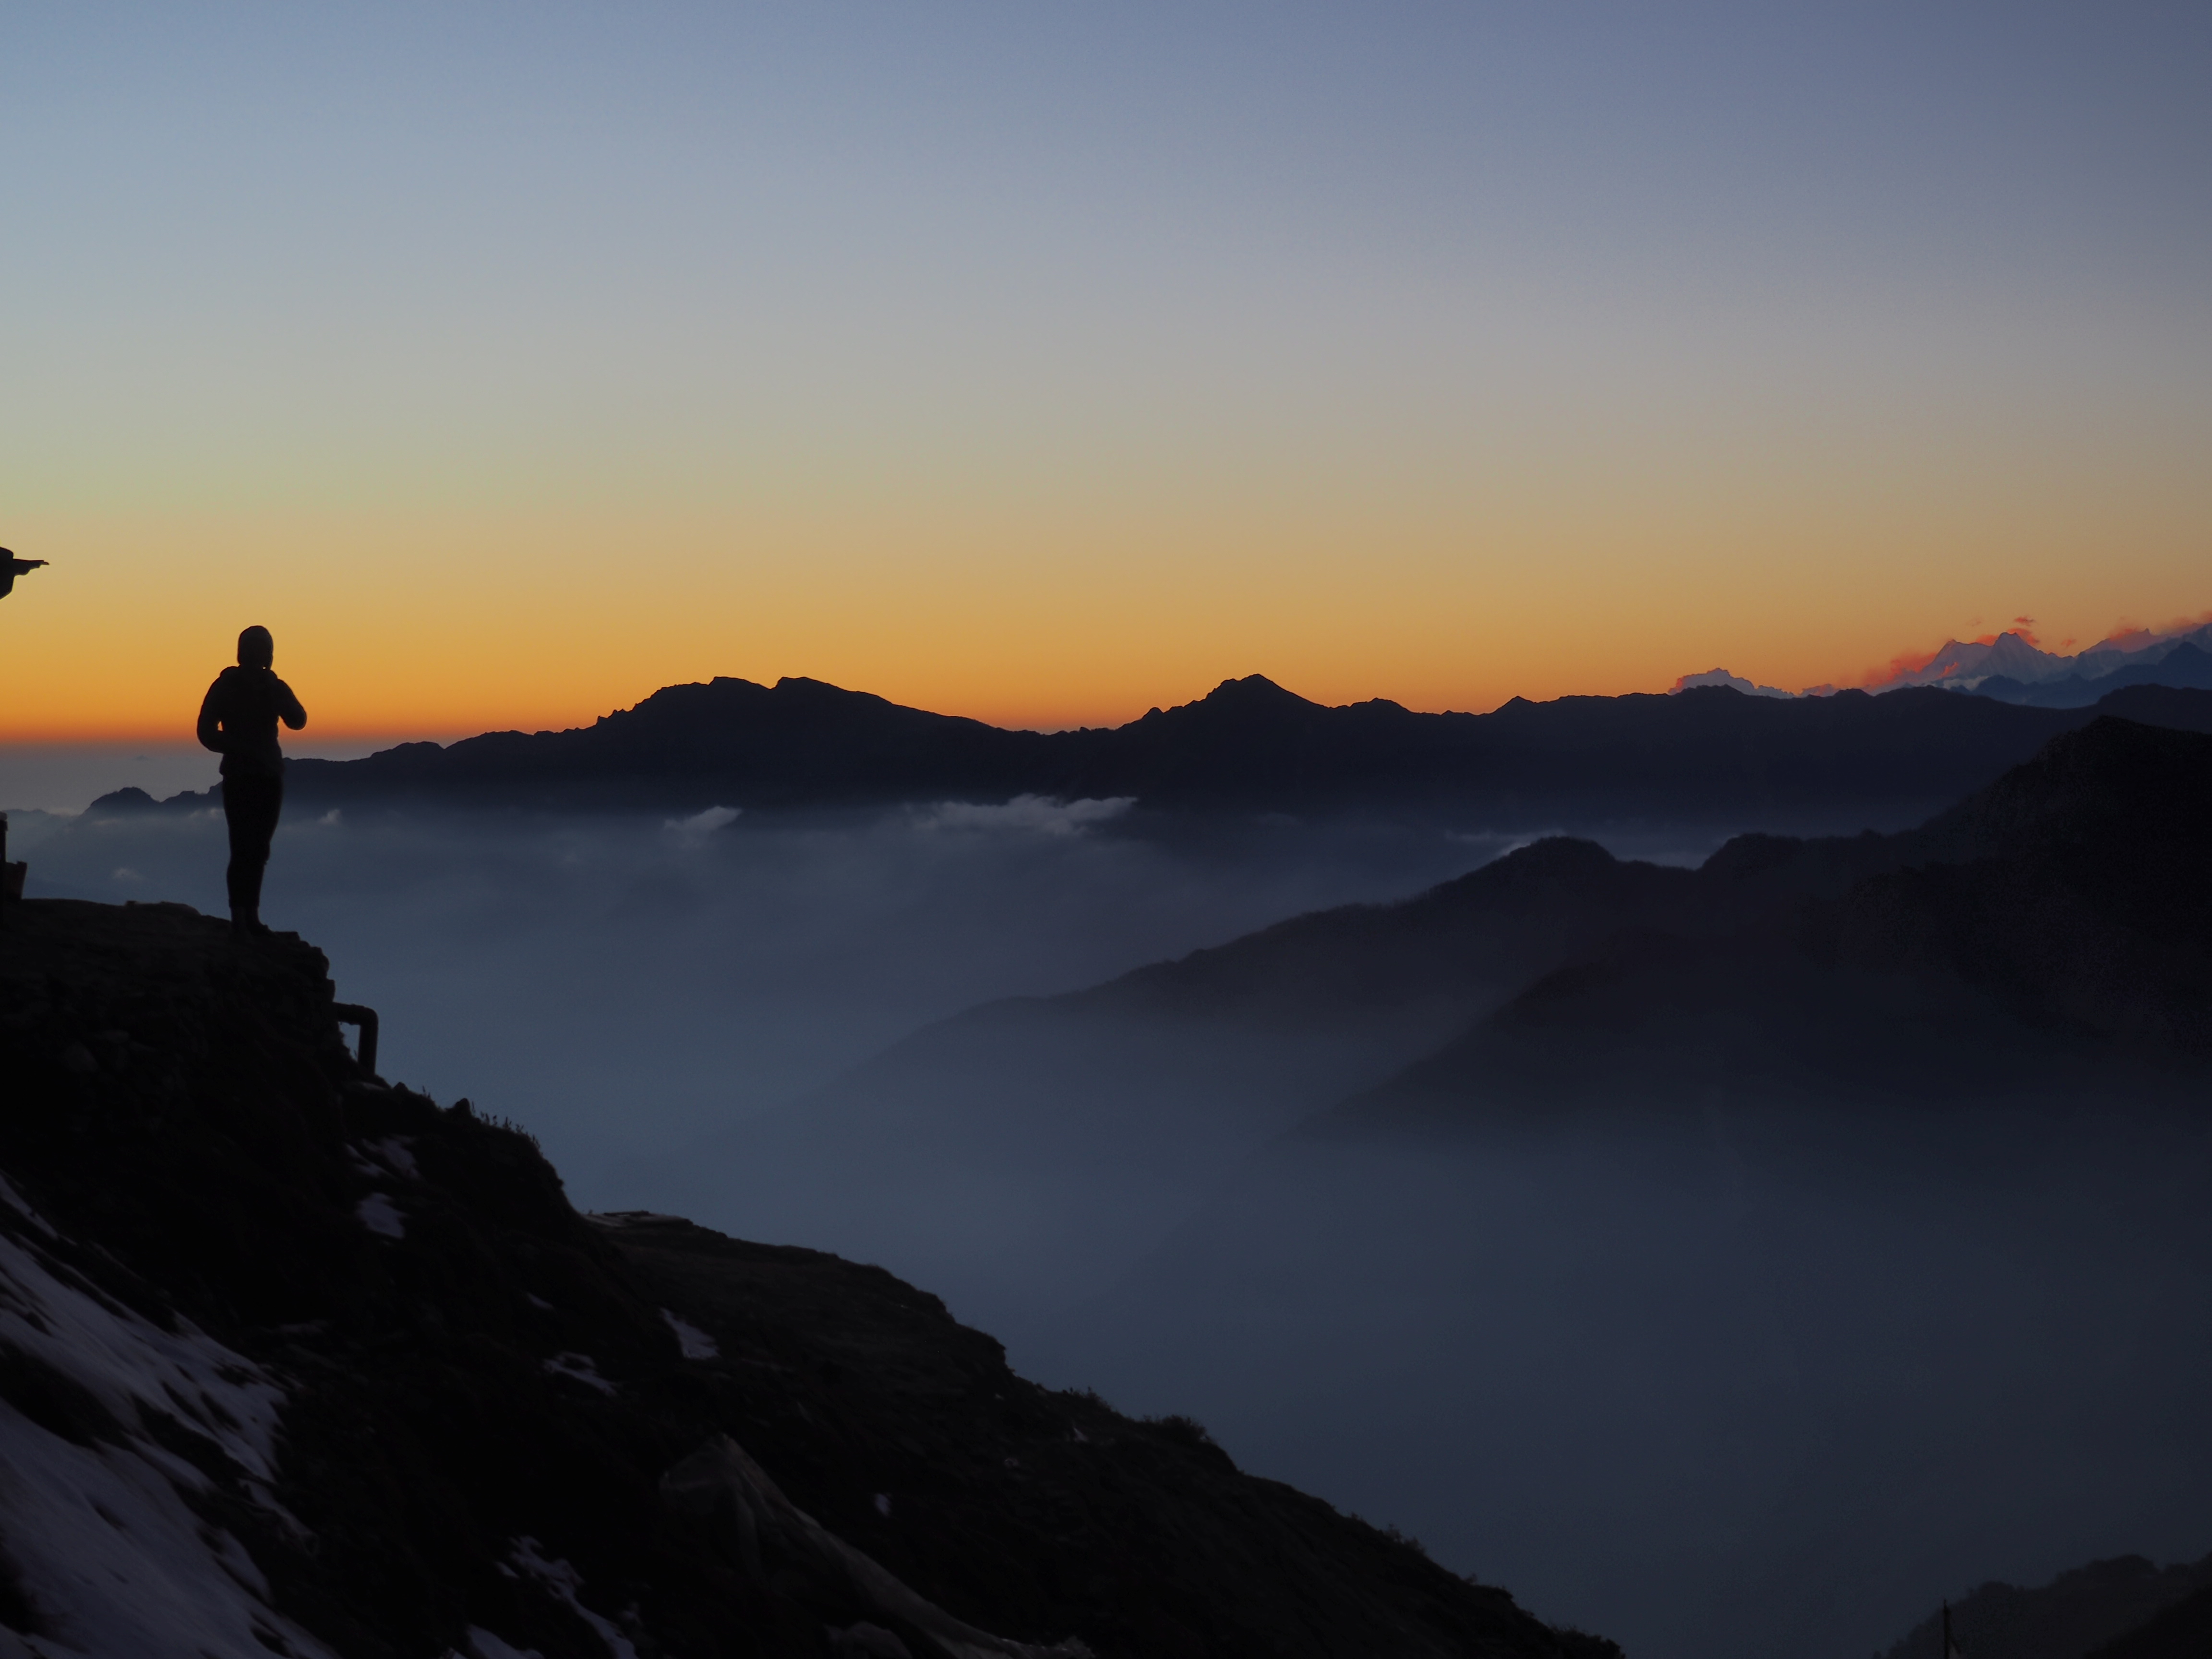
x=256 y=648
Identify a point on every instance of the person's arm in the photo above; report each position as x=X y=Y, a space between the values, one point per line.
x=210 y=729
x=287 y=706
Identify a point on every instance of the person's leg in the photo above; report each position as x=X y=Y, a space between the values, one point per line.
x=250 y=807
x=235 y=817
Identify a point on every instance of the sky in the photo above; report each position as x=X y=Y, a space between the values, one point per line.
x=1045 y=364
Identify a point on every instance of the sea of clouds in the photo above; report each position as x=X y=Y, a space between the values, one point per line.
x=1717 y=1393
x=623 y=984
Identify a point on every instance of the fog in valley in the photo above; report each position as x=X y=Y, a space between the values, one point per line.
x=1741 y=1378
x=624 y=985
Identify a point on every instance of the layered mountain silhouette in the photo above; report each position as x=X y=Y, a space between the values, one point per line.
x=293 y=1361
x=2047 y=939
x=2011 y=665
x=2186 y=664
x=2075 y=892
x=1828 y=1210
x=2048 y=930
x=1704 y=756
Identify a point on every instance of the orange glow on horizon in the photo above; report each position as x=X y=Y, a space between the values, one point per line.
x=386 y=721
x=399 y=627
x=349 y=703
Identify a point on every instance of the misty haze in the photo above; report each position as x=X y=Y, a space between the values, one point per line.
x=1763 y=1358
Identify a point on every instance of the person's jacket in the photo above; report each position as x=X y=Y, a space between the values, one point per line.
x=238 y=721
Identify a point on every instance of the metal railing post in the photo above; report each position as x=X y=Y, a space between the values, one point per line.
x=352 y=1013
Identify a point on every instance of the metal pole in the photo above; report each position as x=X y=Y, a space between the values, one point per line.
x=352 y=1013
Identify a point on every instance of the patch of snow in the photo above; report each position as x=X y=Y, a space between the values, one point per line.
x=107 y=1550
x=377 y=1158
x=578 y=1367
x=694 y=1342
x=564 y=1582
x=381 y=1216
x=392 y=1151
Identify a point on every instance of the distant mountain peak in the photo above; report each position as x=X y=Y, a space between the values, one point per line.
x=1256 y=691
x=1555 y=855
x=128 y=799
x=1721 y=676
x=2015 y=657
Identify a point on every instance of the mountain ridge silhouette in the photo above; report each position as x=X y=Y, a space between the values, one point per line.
x=1705 y=755
x=2051 y=926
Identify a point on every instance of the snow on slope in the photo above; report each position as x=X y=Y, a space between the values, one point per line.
x=99 y=1536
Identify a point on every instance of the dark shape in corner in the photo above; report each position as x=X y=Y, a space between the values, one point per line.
x=11 y=566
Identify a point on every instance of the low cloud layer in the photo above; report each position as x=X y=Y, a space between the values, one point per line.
x=1037 y=814
x=689 y=832
x=622 y=985
x=1696 y=1391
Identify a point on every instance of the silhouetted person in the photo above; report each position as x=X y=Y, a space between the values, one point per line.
x=238 y=721
x=11 y=566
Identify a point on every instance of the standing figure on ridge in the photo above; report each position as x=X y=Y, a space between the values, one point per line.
x=238 y=721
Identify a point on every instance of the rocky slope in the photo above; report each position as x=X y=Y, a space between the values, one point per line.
x=296 y=1362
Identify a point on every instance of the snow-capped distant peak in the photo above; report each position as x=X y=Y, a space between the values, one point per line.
x=1734 y=682
x=1967 y=662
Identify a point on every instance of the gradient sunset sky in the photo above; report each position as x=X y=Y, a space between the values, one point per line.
x=1045 y=362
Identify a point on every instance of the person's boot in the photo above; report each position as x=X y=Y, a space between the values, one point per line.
x=245 y=922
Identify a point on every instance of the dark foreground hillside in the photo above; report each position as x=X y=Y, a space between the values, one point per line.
x=295 y=1362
